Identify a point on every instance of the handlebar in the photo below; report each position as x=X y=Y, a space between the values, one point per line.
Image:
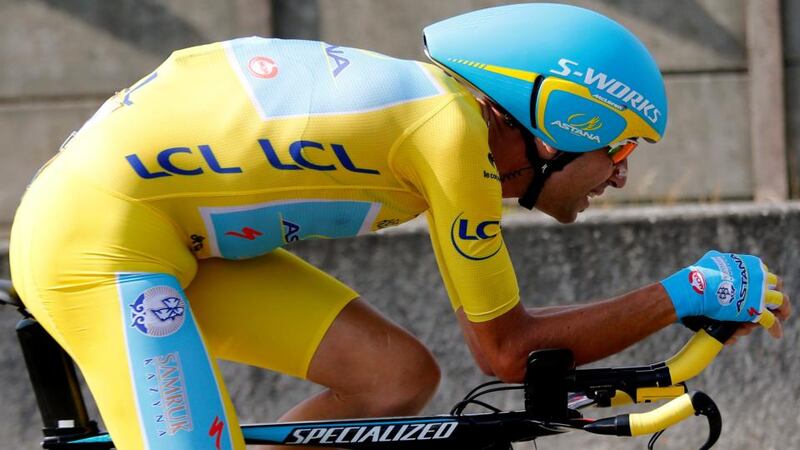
x=663 y=380
x=551 y=376
x=677 y=410
x=704 y=346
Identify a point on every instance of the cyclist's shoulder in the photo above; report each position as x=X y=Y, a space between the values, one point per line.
x=450 y=128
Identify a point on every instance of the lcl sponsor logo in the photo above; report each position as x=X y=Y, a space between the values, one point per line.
x=464 y=233
x=191 y=163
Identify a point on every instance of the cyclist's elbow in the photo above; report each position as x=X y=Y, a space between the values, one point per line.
x=508 y=366
x=502 y=343
x=484 y=365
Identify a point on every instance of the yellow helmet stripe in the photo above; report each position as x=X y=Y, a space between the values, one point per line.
x=513 y=73
x=507 y=71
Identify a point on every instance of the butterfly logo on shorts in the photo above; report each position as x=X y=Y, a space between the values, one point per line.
x=173 y=308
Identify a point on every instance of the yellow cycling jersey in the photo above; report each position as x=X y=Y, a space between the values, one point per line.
x=248 y=145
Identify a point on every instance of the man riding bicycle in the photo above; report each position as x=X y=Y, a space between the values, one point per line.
x=151 y=245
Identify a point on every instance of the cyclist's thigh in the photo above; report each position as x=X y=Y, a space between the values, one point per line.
x=123 y=316
x=271 y=311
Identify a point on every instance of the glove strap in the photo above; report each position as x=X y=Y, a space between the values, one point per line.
x=685 y=301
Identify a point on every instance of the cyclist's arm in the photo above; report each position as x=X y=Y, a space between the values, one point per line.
x=472 y=339
x=473 y=344
x=592 y=331
x=447 y=162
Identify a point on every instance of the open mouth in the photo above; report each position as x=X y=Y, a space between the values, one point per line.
x=596 y=192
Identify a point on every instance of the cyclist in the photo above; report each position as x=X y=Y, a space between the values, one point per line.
x=150 y=246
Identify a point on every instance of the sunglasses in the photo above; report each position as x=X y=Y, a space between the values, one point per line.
x=621 y=150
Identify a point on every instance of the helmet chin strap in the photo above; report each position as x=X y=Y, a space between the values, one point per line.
x=542 y=170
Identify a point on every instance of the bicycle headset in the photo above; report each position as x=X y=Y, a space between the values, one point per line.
x=574 y=78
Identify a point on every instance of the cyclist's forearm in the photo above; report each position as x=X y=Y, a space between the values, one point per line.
x=548 y=310
x=599 y=329
x=592 y=331
x=473 y=344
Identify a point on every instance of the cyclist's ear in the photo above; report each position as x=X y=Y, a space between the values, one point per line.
x=546 y=151
x=485 y=108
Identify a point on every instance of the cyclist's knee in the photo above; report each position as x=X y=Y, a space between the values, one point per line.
x=373 y=364
x=407 y=382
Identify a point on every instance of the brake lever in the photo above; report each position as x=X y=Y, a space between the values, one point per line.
x=706 y=407
x=703 y=406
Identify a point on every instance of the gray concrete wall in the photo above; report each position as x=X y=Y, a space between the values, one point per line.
x=754 y=382
x=699 y=44
x=791 y=30
x=60 y=59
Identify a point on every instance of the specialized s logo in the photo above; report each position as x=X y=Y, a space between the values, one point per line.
x=474 y=240
x=247 y=233
x=217 y=427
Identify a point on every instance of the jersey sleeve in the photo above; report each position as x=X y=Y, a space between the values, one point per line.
x=447 y=160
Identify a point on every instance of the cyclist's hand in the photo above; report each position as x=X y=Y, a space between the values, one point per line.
x=729 y=287
x=781 y=313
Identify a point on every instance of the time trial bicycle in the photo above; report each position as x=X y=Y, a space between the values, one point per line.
x=555 y=393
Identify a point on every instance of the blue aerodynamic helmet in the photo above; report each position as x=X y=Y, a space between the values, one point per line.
x=575 y=78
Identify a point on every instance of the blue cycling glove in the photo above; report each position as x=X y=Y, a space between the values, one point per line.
x=721 y=286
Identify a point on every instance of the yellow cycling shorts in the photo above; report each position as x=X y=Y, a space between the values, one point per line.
x=113 y=282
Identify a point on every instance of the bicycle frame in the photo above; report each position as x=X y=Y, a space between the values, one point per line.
x=481 y=431
x=550 y=378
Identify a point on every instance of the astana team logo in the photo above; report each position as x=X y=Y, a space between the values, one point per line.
x=158 y=311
